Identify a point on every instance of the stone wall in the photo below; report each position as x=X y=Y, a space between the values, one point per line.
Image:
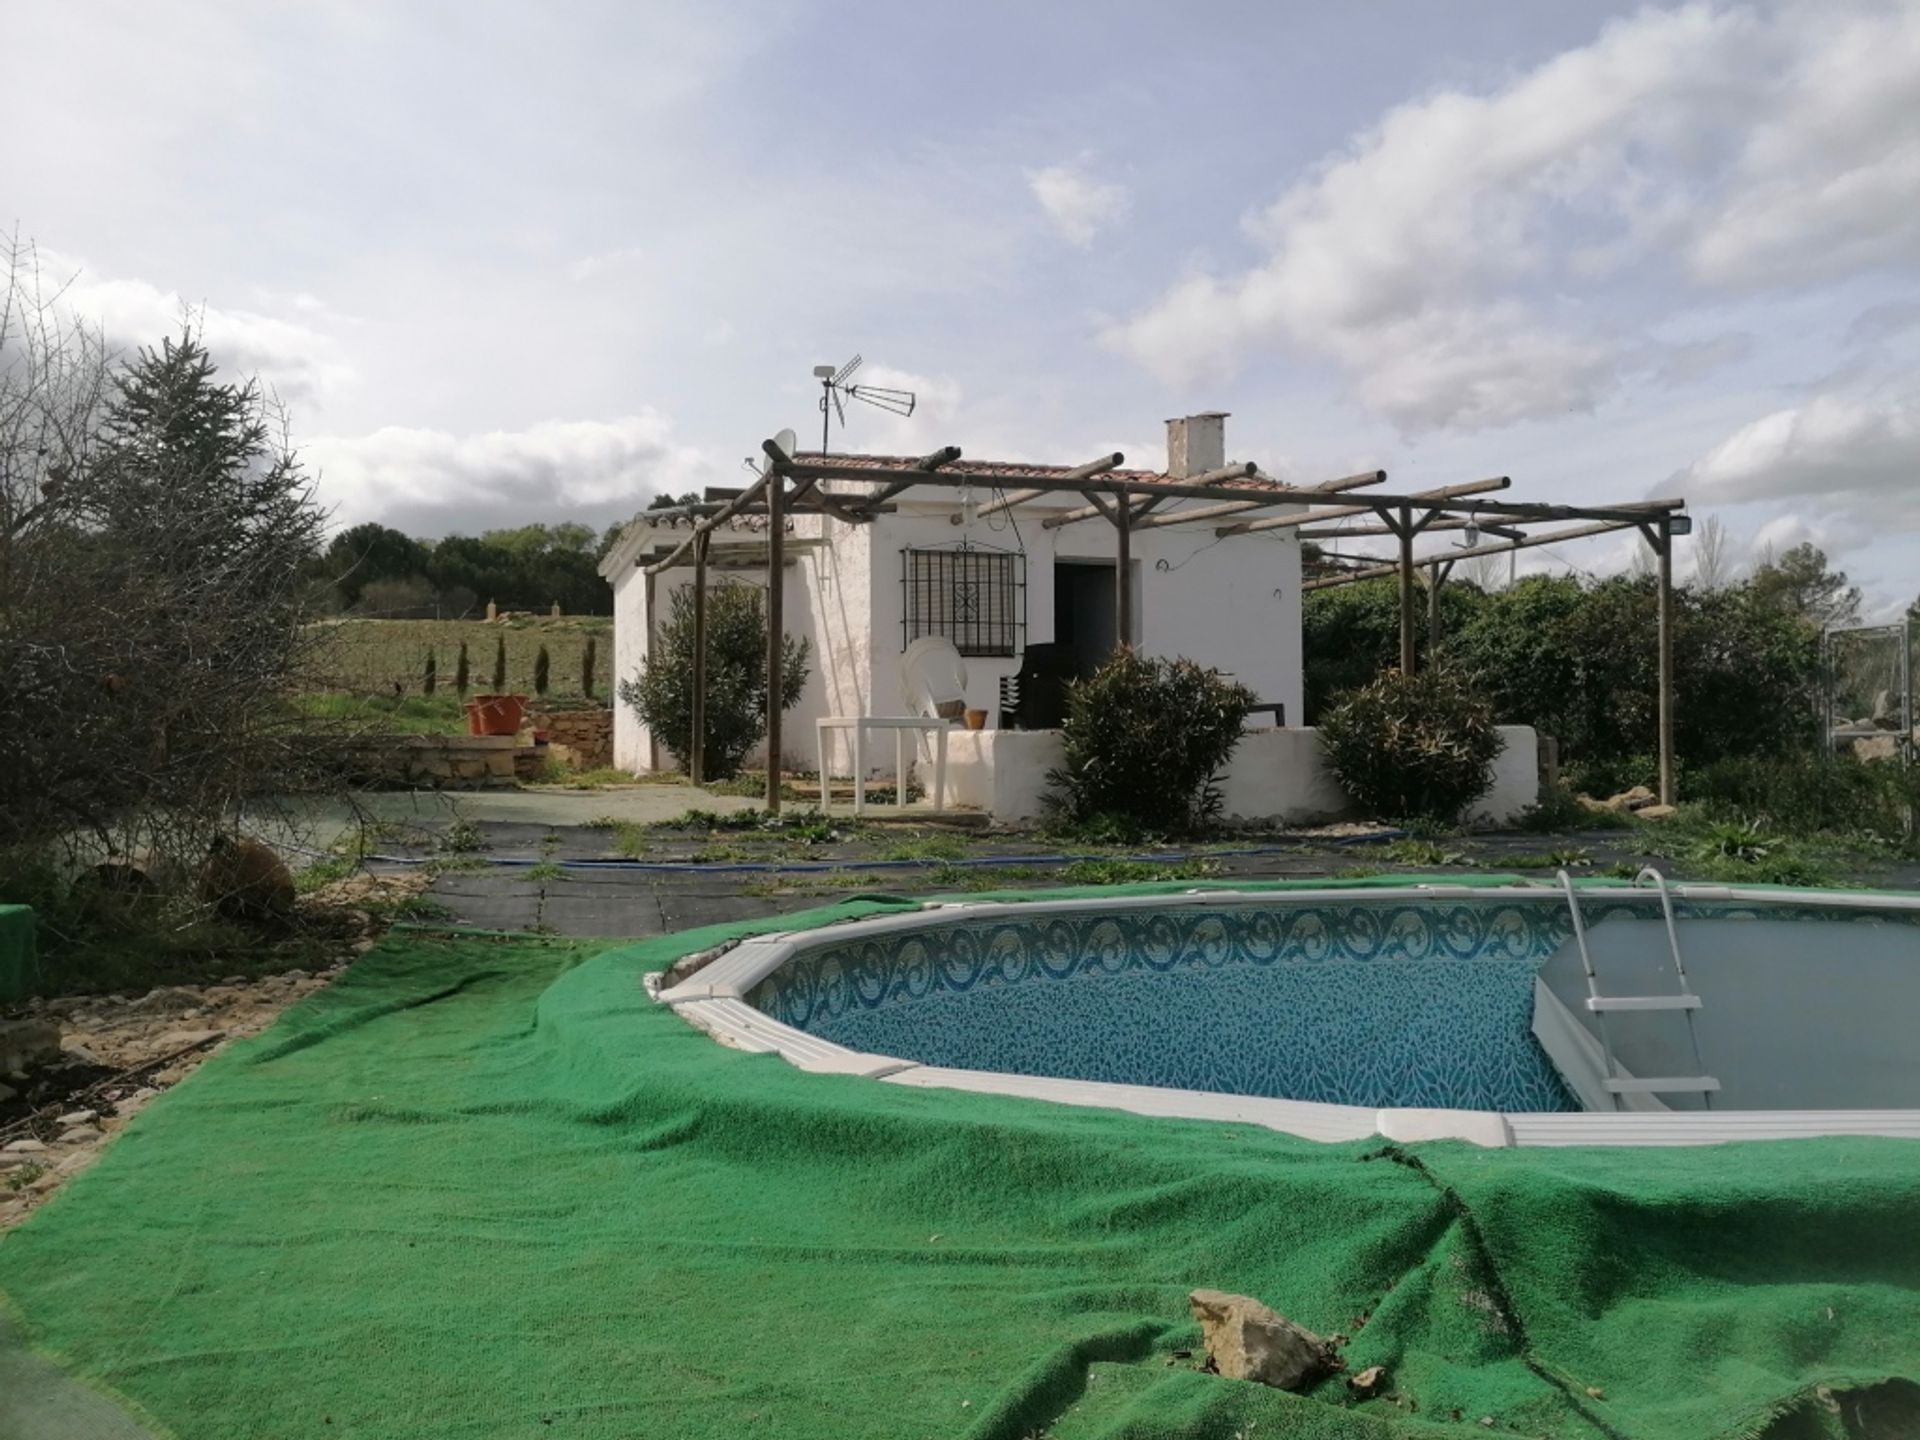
x=452 y=762
x=583 y=738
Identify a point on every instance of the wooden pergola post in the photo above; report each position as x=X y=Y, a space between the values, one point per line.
x=776 y=629
x=1123 y=570
x=697 y=748
x=1663 y=548
x=1437 y=575
x=1403 y=527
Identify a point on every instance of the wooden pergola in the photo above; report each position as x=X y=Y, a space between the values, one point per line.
x=1130 y=501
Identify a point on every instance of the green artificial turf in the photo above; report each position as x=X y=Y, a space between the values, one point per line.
x=484 y=1187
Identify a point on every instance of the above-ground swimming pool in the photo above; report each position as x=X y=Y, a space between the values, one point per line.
x=1413 y=1011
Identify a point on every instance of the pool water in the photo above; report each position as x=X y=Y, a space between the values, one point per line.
x=1368 y=1003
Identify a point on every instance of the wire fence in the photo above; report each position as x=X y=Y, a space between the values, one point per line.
x=1868 y=684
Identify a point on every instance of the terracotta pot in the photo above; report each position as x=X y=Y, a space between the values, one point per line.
x=497 y=714
x=472 y=707
x=976 y=719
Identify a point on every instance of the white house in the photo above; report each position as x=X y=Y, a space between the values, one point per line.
x=996 y=583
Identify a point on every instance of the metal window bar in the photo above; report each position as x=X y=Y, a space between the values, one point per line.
x=975 y=597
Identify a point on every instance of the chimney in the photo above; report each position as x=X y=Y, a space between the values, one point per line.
x=1196 y=444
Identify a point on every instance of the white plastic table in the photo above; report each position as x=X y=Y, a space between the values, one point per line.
x=901 y=725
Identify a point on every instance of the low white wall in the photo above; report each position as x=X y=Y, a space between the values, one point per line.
x=1003 y=772
x=1275 y=776
x=1516 y=778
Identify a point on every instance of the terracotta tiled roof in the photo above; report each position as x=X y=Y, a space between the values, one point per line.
x=1000 y=470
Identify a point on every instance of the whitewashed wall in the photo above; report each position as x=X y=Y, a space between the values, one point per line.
x=1232 y=603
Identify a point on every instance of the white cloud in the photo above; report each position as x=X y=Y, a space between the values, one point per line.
x=1079 y=206
x=588 y=267
x=1861 y=448
x=430 y=482
x=1444 y=245
x=304 y=364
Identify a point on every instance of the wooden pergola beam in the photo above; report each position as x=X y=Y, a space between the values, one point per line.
x=711 y=522
x=1387 y=510
x=1376 y=572
x=1010 y=499
x=1221 y=476
x=1037 y=481
x=1239 y=507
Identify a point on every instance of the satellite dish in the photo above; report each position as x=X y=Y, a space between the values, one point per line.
x=786 y=440
x=933 y=678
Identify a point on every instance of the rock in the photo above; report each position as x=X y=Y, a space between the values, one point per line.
x=1635 y=799
x=1248 y=1341
x=76 y=1117
x=81 y=1134
x=1368 y=1383
x=28 y=1146
x=1880 y=747
x=27 y=1042
x=179 y=1039
x=1657 y=812
x=166 y=997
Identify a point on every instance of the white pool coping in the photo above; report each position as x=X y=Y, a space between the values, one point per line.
x=713 y=998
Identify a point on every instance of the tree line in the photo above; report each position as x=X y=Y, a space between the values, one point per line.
x=378 y=571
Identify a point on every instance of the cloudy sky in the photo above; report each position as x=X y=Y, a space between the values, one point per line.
x=518 y=262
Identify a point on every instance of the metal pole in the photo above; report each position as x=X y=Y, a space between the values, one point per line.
x=1665 y=549
x=697 y=748
x=1123 y=576
x=1405 y=528
x=776 y=558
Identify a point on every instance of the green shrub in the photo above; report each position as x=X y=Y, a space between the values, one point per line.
x=1145 y=738
x=1558 y=810
x=1809 y=794
x=1413 y=746
x=736 y=713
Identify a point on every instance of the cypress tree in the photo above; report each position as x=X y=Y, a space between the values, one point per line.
x=500 y=666
x=542 y=671
x=460 y=677
x=588 y=657
x=431 y=677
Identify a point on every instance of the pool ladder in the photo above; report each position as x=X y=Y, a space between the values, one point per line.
x=1683 y=1000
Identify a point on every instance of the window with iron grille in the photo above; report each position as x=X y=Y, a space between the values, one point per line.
x=973 y=595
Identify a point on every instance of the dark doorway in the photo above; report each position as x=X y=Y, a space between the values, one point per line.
x=1083 y=614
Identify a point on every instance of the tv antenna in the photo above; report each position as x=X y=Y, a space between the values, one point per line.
x=833 y=385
